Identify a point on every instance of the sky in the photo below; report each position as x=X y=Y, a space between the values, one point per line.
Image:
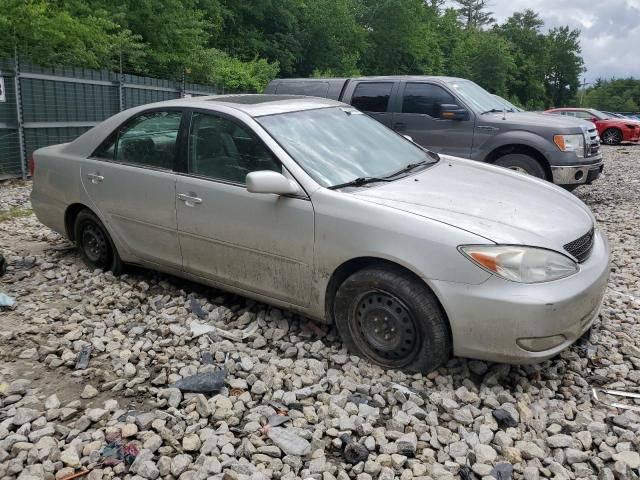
x=610 y=37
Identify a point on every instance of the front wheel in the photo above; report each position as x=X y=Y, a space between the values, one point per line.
x=94 y=243
x=522 y=163
x=612 y=136
x=393 y=319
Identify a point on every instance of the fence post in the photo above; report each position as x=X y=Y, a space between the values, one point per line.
x=121 y=86
x=21 y=141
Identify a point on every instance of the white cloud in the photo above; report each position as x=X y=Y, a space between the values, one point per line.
x=610 y=30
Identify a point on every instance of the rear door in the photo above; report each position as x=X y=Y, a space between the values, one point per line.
x=374 y=99
x=131 y=182
x=418 y=116
x=257 y=242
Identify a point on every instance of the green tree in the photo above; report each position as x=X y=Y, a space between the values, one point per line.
x=565 y=65
x=331 y=40
x=474 y=14
x=402 y=37
x=530 y=56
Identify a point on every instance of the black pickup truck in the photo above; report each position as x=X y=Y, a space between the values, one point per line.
x=458 y=117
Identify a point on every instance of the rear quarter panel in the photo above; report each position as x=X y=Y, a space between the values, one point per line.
x=56 y=185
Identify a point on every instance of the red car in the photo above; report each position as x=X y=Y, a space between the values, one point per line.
x=612 y=130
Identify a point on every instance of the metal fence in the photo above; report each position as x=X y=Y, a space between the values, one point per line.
x=42 y=106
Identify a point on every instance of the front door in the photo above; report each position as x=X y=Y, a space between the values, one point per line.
x=131 y=182
x=260 y=243
x=419 y=117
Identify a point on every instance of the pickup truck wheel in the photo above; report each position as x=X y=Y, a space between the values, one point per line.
x=611 y=136
x=392 y=319
x=522 y=163
x=95 y=244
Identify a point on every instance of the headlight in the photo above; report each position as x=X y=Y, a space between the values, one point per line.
x=521 y=264
x=570 y=143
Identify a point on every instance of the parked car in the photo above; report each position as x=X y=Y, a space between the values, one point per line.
x=457 y=117
x=308 y=204
x=611 y=130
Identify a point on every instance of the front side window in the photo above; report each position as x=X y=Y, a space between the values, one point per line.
x=149 y=140
x=372 y=97
x=425 y=98
x=222 y=149
x=337 y=145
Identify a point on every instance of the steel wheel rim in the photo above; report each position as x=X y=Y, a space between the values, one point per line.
x=384 y=329
x=95 y=245
x=518 y=169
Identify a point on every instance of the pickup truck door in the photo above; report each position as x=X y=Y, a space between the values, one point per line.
x=373 y=98
x=418 y=115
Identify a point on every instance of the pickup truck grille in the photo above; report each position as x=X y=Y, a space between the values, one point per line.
x=581 y=247
x=592 y=146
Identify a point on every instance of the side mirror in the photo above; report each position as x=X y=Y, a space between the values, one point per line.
x=593 y=119
x=268 y=181
x=450 y=111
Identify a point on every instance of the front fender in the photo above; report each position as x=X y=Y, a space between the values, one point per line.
x=519 y=137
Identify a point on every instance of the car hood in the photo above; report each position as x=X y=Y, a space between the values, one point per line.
x=535 y=119
x=493 y=202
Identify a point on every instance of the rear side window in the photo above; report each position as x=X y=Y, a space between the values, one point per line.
x=372 y=97
x=149 y=140
x=425 y=98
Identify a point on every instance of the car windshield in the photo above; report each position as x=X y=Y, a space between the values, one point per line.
x=476 y=96
x=339 y=145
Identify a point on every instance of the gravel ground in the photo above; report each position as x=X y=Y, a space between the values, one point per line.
x=345 y=418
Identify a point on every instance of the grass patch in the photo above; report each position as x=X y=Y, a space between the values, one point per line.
x=14 y=212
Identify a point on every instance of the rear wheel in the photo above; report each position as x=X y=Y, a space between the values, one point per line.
x=611 y=136
x=95 y=244
x=522 y=163
x=392 y=319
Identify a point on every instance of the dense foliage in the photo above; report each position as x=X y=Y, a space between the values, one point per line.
x=620 y=95
x=241 y=45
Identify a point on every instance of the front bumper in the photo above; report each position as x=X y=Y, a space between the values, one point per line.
x=492 y=321
x=576 y=174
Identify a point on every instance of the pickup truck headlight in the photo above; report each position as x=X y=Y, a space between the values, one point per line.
x=519 y=263
x=570 y=143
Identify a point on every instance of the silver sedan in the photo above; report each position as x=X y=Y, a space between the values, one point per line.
x=310 y=205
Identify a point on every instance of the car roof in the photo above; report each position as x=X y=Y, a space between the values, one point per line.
x=255 y=105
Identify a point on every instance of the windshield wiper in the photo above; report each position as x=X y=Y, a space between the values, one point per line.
x=413 y=166
x=493 y=110
x=357 y=182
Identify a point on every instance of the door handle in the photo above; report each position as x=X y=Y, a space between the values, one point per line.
x=95 y=177
x=190 y=199
x=399 y=126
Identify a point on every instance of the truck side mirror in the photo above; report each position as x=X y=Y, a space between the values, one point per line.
x=451 y=111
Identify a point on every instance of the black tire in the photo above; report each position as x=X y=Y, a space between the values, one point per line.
x=95 y=244
x=612 y=136
x=523 y=164
x=393 y=319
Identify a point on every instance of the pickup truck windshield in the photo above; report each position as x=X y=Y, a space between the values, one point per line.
x=338 y=145
x=476 y=96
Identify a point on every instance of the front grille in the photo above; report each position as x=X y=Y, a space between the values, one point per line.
x=593 y=144
x=581 y=247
